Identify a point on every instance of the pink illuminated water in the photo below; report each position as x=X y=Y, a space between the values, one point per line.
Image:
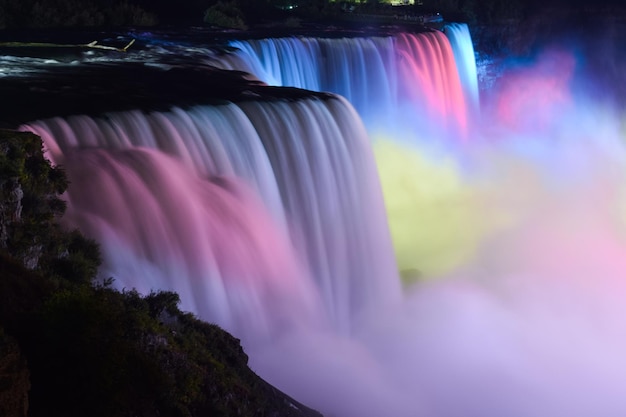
x=310 y=163
x=267 y=217
x=408 y=81
x=211 y=240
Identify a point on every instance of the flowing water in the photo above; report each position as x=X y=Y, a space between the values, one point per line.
x=408 y=250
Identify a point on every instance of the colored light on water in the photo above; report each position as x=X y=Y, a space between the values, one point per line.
x=522 y=223
x=433 y=212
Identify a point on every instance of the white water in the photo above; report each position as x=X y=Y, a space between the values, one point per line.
x=403 y=85
x=527 y=322
x=309 y=161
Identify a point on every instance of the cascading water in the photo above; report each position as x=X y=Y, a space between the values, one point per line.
x=464 y=56
x=265 y=216
x=309 y=161
x=407 y=80
x=212 y=241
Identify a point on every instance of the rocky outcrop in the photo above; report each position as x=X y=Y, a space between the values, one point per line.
x=14 y=379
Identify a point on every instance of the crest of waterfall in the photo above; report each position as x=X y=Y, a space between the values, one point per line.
x=175 y=225
x=409 y=81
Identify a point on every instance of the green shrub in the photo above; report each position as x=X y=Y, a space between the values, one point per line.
x=226 y=15
x=66 y=13
x=128 y=14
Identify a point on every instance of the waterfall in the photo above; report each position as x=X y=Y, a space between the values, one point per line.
x=165 y=226
x=461 y=42
x=416 y=81
x=265 y=214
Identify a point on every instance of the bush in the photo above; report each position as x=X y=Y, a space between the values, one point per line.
x=73 y=13
x=66 y=13
x=29 y=198
x=226 y=15
x=127 y=14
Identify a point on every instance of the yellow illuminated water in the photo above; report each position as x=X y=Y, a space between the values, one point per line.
x=436 y=221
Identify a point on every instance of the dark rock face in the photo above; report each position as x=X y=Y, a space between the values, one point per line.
x=14 y=379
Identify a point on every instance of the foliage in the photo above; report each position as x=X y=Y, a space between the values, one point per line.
x=64 y=13
x=107 y=356
x=125 y=14
x=103 y=353
x=73 y=258
x=226 y=15
x=72 y=13
x=30 y=208
x=29 y=204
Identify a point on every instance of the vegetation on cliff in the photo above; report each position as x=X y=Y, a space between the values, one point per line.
x=228 y=13
x=225 y=14
x=91 y=350
x=73 y=13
